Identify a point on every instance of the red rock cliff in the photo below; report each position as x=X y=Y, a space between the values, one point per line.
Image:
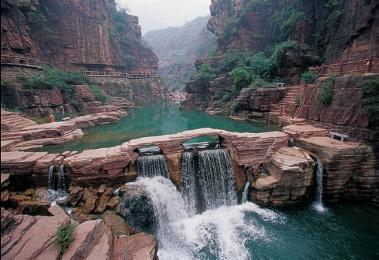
x=75 y=35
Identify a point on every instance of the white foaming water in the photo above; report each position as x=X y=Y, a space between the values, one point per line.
x=318 y=205
x=188 y=186
x=220 y=232
x=245 y=192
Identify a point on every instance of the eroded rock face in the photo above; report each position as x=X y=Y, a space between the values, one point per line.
x=22 y=134
x=348 y=32
x=137 y=209
x=28 y=237
x=349 y=116
x=135 y=92
x=290 y=176
x=136 y=247
x=349 y=168
x=53 y=101
x=76 y=35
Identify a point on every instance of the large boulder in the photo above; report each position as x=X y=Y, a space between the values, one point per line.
x=140 y=246
x=288 y=180
x=136 y=207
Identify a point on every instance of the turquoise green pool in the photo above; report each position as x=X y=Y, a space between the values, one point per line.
x=155 y=120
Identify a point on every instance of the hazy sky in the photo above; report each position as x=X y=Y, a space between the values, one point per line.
x=157 y=14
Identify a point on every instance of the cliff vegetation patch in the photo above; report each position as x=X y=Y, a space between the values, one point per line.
x=370 y=89
x=326 y=93
x=64 y=236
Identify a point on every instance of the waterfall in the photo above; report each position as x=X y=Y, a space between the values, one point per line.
x=319 y=186
x=152 y=165
x=220 y=232
x=245 y=193
x=56 y=182
x=188 y=185
x=216 y=179
x=169 y=207
x=215 y=234
x=51 y=177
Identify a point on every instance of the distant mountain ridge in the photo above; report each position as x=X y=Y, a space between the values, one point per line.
x=178 y=48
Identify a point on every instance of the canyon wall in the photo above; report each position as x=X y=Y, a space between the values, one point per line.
x=75 y=35
x=296 y=34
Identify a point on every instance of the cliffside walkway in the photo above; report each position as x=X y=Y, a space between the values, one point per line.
x=20 y=61
x=370 y=65
x=133 y=75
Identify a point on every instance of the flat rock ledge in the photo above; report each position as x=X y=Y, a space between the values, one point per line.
x=31 y=135
x=29 y=237
x=288 y=178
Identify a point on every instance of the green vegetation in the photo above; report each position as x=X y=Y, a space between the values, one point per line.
x=230 y=28
x=285 y=20
x=335 y=13
x=50 y=78
x=370 y=89
x=308 y=77
x=236 y=106
x=206 y=73
x=259 y=70
x=64 y=236
x=4 y=84
x=247 y=69
x=326 y=93
x=25 y=3
x=297 y=101
x=99 y=93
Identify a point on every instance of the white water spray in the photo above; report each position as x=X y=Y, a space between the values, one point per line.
x=215 y=234
x=245 y=193
x=318 y=205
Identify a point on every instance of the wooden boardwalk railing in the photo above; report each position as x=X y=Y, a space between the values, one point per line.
x=20 y=61
x=362 y=66
x=135 y=75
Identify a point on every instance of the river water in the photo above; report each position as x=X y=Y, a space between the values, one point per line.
x=158 y=119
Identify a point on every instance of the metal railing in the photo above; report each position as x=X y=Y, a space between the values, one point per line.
x=20 y=61
x=135 y=75
x=362 y=66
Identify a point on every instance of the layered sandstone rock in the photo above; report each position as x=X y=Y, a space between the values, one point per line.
x=290 y=175
x=75 y=35
x=136 y=247
x=345 y=112
x=255 y=103
x=32 y=135
x=333 y=33
x=135 y=92
x=98 y=166
x=349 y=168
x=54 y=101
x=28 y=237
x=11 y=121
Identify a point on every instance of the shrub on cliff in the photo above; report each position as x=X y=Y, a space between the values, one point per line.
x=235 y=106
x=308 y=77
x=230 y=28
x=50 y=78
x=99 y=94
x=370 y=89
x=241 y=76
x=207 y=73
x=64 y=236
x=326 y=93
x=262 y=66
x=261 y=83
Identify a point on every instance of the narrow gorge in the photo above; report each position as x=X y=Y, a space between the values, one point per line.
x=246 y=130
